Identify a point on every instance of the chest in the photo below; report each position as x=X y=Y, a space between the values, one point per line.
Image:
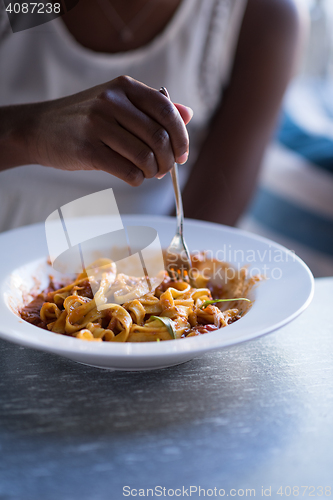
x=113 y=26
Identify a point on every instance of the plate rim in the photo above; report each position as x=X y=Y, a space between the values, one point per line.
x=193 y=346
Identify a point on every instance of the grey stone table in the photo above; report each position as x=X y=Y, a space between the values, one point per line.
x=252 y=420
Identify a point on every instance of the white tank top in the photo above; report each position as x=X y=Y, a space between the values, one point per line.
x=192 y=57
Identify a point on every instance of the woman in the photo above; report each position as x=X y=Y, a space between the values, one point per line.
x=229 y=61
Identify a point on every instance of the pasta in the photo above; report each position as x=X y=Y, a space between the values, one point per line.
x=95 y=307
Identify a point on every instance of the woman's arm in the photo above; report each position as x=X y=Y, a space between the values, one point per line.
x=122 y=127
x=224 y=176
x=16 y=131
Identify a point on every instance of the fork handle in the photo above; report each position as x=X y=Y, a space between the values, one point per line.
x=175 y=182
x=178 y=198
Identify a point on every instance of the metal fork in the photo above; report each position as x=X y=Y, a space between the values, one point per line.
x=177 y=257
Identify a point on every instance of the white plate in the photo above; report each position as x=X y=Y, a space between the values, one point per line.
x=278 y=300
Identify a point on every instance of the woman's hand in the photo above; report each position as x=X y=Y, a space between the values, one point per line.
x=122 y=127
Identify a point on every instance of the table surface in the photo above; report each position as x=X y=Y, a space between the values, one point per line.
x=254 y=416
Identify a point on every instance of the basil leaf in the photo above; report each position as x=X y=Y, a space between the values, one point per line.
x=168 y=323
x=208 y=302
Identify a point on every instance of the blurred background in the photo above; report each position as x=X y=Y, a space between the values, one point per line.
x=294 y=200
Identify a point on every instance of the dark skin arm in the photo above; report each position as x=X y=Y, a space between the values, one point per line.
x=122 y=127
x=224 y=177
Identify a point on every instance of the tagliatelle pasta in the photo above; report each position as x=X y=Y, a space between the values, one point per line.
x=95 y=307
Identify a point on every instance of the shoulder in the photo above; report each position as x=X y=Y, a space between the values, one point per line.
x=273 y=29
x=275 y=17
x=285 y=11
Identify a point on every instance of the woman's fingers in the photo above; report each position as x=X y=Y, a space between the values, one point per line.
x=130 y=147
x=150 y=140
x=113 y=163
x=185 y=112
x=159 y=108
